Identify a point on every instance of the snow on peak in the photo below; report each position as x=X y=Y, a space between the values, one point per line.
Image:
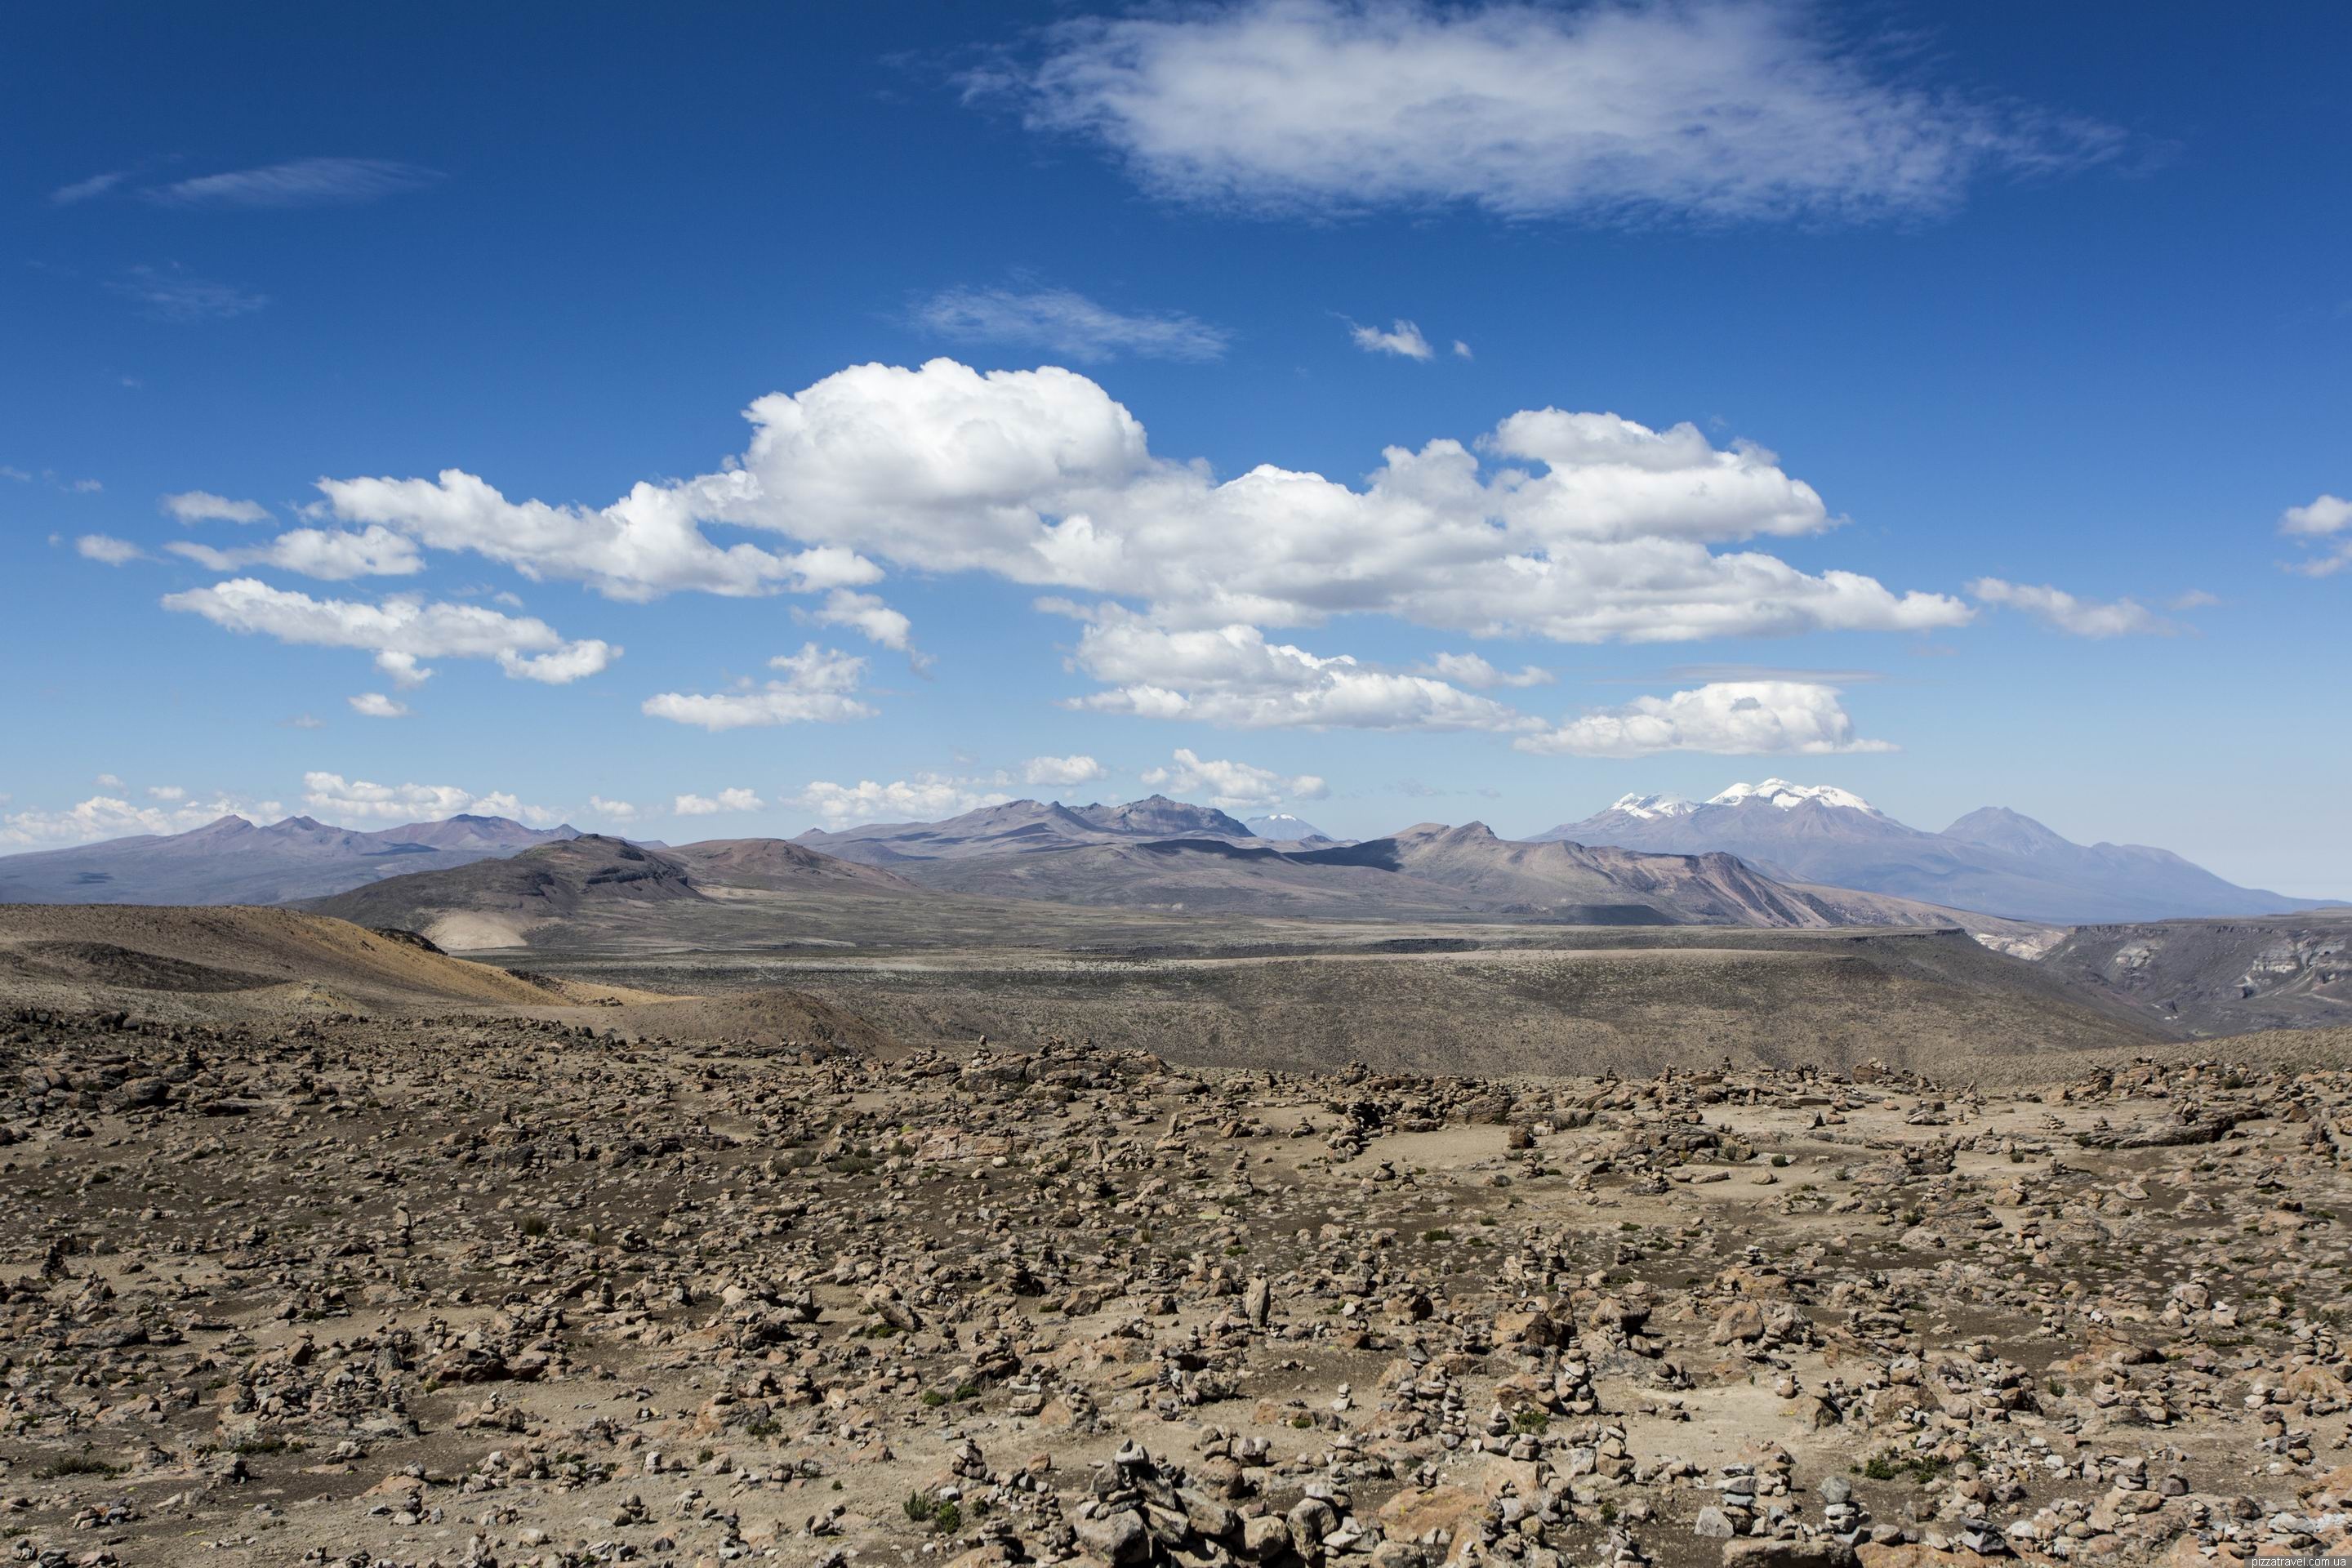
x=1650 y=807
x=1788 y=796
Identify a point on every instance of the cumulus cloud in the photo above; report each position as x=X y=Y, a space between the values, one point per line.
x=1063 y=771
x=1069 y=325
x=1469 y=669
x=334 y=554
x=111 y=816
x=1402 y=338
x=2324 y=518
x=562 y=665
x=1233 y=676
x=2057 y=608
x=1574 y=527
x=203 y=506
x=299 y=182
x=105 y=547
x=376 y=705
x=926 y=798
x=711 y=805
x=166 y=792
x=817 y=685
x=1231 y=785
x=641 y=547
x=1732 y=718
x=337 y=798
x=1716 y=110
x=866 y=615
x=401 y=631
x=613 y=810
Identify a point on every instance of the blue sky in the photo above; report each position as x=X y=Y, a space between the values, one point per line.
x=1947 y=405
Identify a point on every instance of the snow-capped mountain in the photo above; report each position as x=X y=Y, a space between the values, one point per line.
x=1652 y=808
x=1993 y=860
x=1281 y=828
x=1786 y=796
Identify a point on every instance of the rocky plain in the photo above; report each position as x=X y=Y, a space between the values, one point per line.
x=482 y=1282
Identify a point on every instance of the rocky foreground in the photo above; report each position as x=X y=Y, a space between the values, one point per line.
x=494 y=1290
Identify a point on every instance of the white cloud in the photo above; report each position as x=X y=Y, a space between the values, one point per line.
x=2324 y=518
x=926 y=798
x=866 y=615
x=376 y=705
x=170 y=294
x=1233 y=676
x=1402 y=338
x=2328 y=514
x=818 y=686
x=1462 y=350
x=203 y=506
x=109 y=817
x=1061 y=771
x=1715 y=111
x=86 y=487
x=302 y=182
x=105 y=547
x=401 y=631
x=167 y=793
x=334 y=554
x=335 y=798
x=614 y=810
x=1469 y=669
x=108 y=781
x=641 y=547
x=1573 y=527
x=406 y=669
x=726 y=800
x=1069 y=324
x=1580 y=527
x=559 y=667
x=2057 y=608
x=1231 y=785
x=87 y=190
x=1731 y=718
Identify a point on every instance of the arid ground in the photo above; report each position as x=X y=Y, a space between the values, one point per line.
x=326 y=1248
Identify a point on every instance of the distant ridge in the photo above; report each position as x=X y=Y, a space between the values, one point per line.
x=593 y=877
x=1024 y=826
x=1101 y=856
x=1994 y=860
x=233 y=861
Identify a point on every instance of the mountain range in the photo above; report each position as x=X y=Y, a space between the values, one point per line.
x=234 y=861
x=960 y=872
x=1769 y=854
x=1993 y=860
